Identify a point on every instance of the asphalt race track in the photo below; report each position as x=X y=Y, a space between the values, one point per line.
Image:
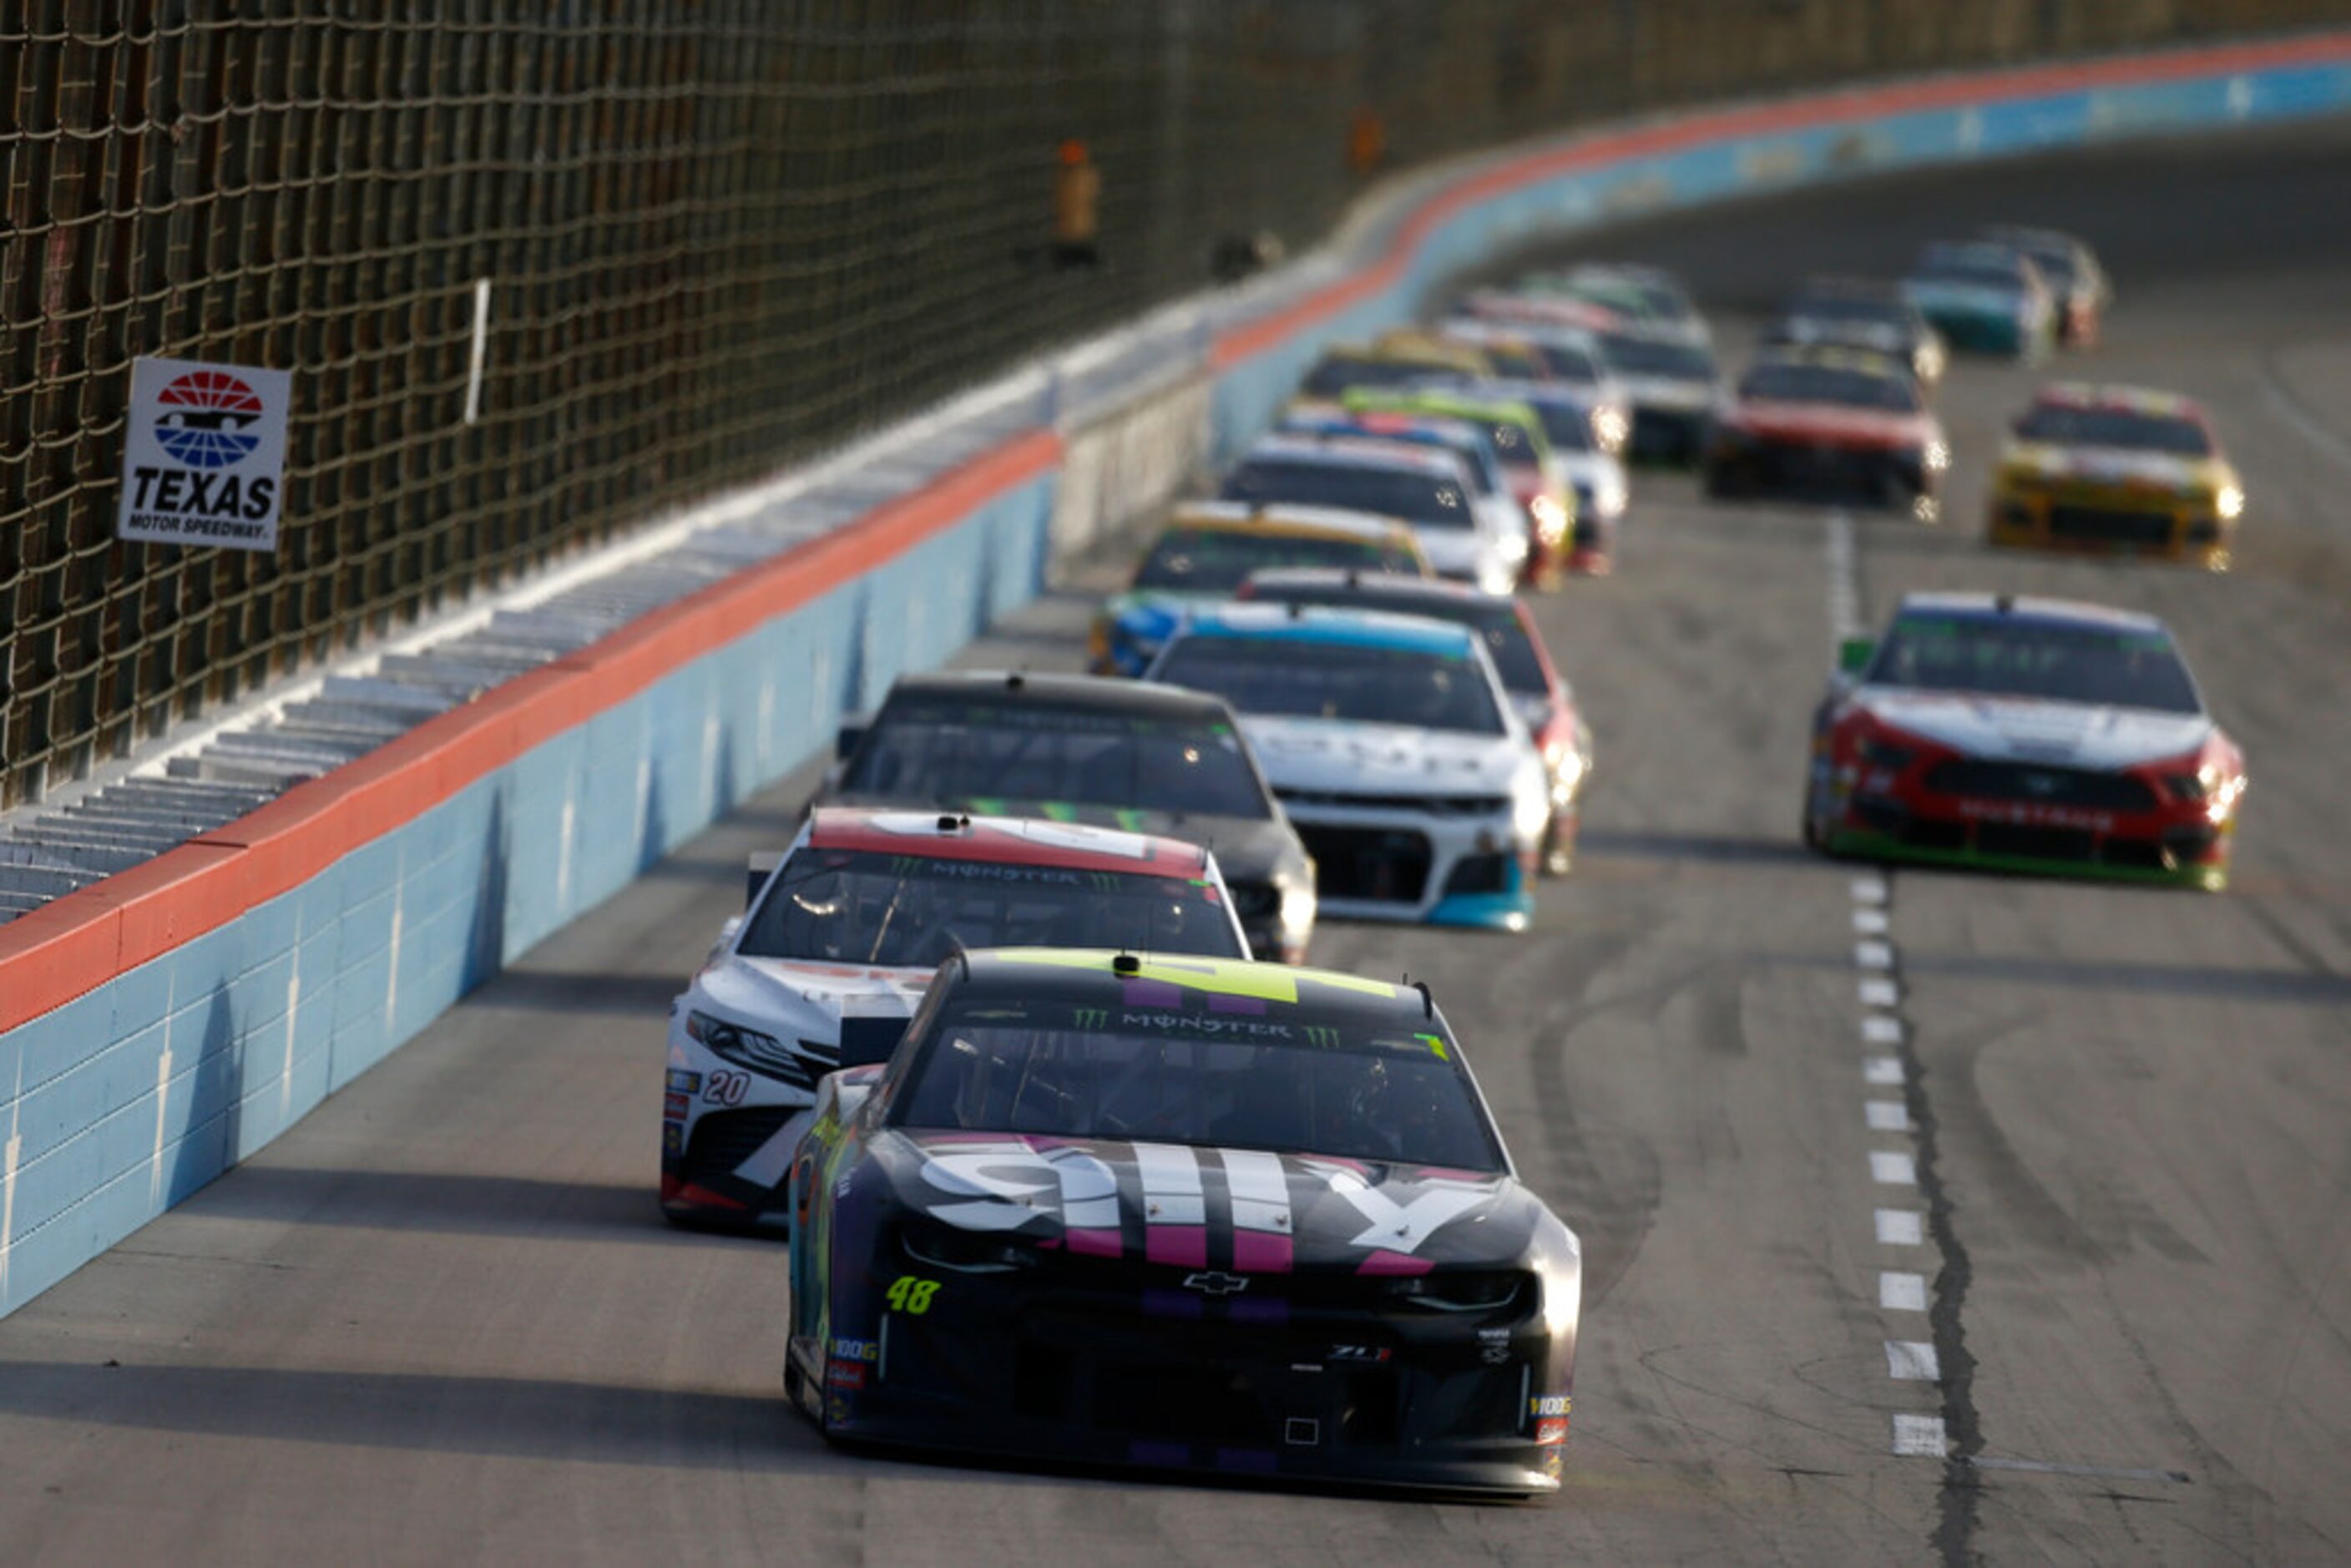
x=442 y=1320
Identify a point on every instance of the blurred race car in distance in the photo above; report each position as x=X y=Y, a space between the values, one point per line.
x=842 y=937
x=1117 y=1208
x=1853 y=313
x=1443 y=358
x=1150 y=759
x=1984 y=299
x=1572 y=364
x=2114 y=470
x=1831 y=424
x=1349 y=365
x=1471 y=440
x=1394 y=750
x=1545 y=702
x=1538 y=482
x=1649 y=296
x=2030 y=735
x=2076 y=281
x=1428 y=489
x=1208 y=546
x=1593 y=478
x=1674 y=384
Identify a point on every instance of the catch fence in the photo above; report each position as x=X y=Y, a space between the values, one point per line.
x=697 y=239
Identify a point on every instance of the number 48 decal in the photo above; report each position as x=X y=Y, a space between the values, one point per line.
x=912 y=1296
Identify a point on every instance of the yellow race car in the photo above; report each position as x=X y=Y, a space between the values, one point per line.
x=2111 y=470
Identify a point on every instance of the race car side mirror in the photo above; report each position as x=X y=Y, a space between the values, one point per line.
x=1853 y=654
x=845 y=738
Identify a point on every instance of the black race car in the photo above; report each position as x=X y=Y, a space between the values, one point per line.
x=1180 y=1213
x=1085 y=748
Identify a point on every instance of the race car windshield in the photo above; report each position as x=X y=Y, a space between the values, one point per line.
x=1506 y=643
x=1567 y=426
x=1216 y=560
x=1652 y=357
x=1420 y=498
x=966 y=752
x=913 y=911
x=1829 y=384
x=1280 y=1079
x=1970 y=274
x=1572 y=367
x=1338 y=373
x=1365 y=684
x=2125 y=429
x=2109 y=666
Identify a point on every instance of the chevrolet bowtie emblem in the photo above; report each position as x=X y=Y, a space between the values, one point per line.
x=1215 y=1283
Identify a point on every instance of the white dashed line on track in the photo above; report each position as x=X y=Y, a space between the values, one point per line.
x=1879 y=1028
x=1901 y=1292
x=1890 y=1169
x=1869 y=890
x=1869 y=922
x=1900 y=1227
x=1920 y=1437
x=1874 y=955
x=1912 y=1361
x=1879 y=992
x=1887 y=1115
x=1881 y=1072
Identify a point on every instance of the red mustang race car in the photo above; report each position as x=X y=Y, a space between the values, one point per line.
x=2030 y=735
x=1830 y=424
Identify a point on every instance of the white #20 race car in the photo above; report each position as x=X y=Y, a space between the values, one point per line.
x=838 y=945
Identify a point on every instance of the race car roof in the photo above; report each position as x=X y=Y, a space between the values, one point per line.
x=1086 y=694
x=1086 y=976
x=2028 y=607
x=2127 y=399
x=1359 y=452
x=1004 y=840
x=1286 y=520
x=1244 y=622
x=1405 y=592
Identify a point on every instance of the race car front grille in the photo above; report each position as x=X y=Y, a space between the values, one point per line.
x=1370 y=864
x=725 y=1139
x=2035 y=843
x=2083 y=789
x=1426 y=805
x=2096 y=525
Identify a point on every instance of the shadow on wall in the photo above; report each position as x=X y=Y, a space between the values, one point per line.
x=208 y=1145
x=486 y=943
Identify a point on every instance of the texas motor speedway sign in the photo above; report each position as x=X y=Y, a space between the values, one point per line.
x=204 y=459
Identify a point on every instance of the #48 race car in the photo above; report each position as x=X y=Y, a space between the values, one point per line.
x=1227 y=1217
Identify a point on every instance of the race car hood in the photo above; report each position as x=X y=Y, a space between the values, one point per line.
x=1247 y=848
x=1244 y=1210
x=1839 y=423
x=1667 y=392
x=1883 y=336
x=804 y=999
x=2025 y=729
x=1344 y=756
x=1147 y=616
x=2115 y=466
x=1454 y=552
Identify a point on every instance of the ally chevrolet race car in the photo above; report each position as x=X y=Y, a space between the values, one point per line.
x=2116 y=471
x=1112 y=1210
x=839 y=941
x=1208 y=546
x=2030 y=735
x=1830 y=424
x=1393 y=750
x=1524 y=665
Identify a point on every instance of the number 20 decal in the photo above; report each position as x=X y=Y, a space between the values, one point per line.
x=912 y=1296
x=725 y=1088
